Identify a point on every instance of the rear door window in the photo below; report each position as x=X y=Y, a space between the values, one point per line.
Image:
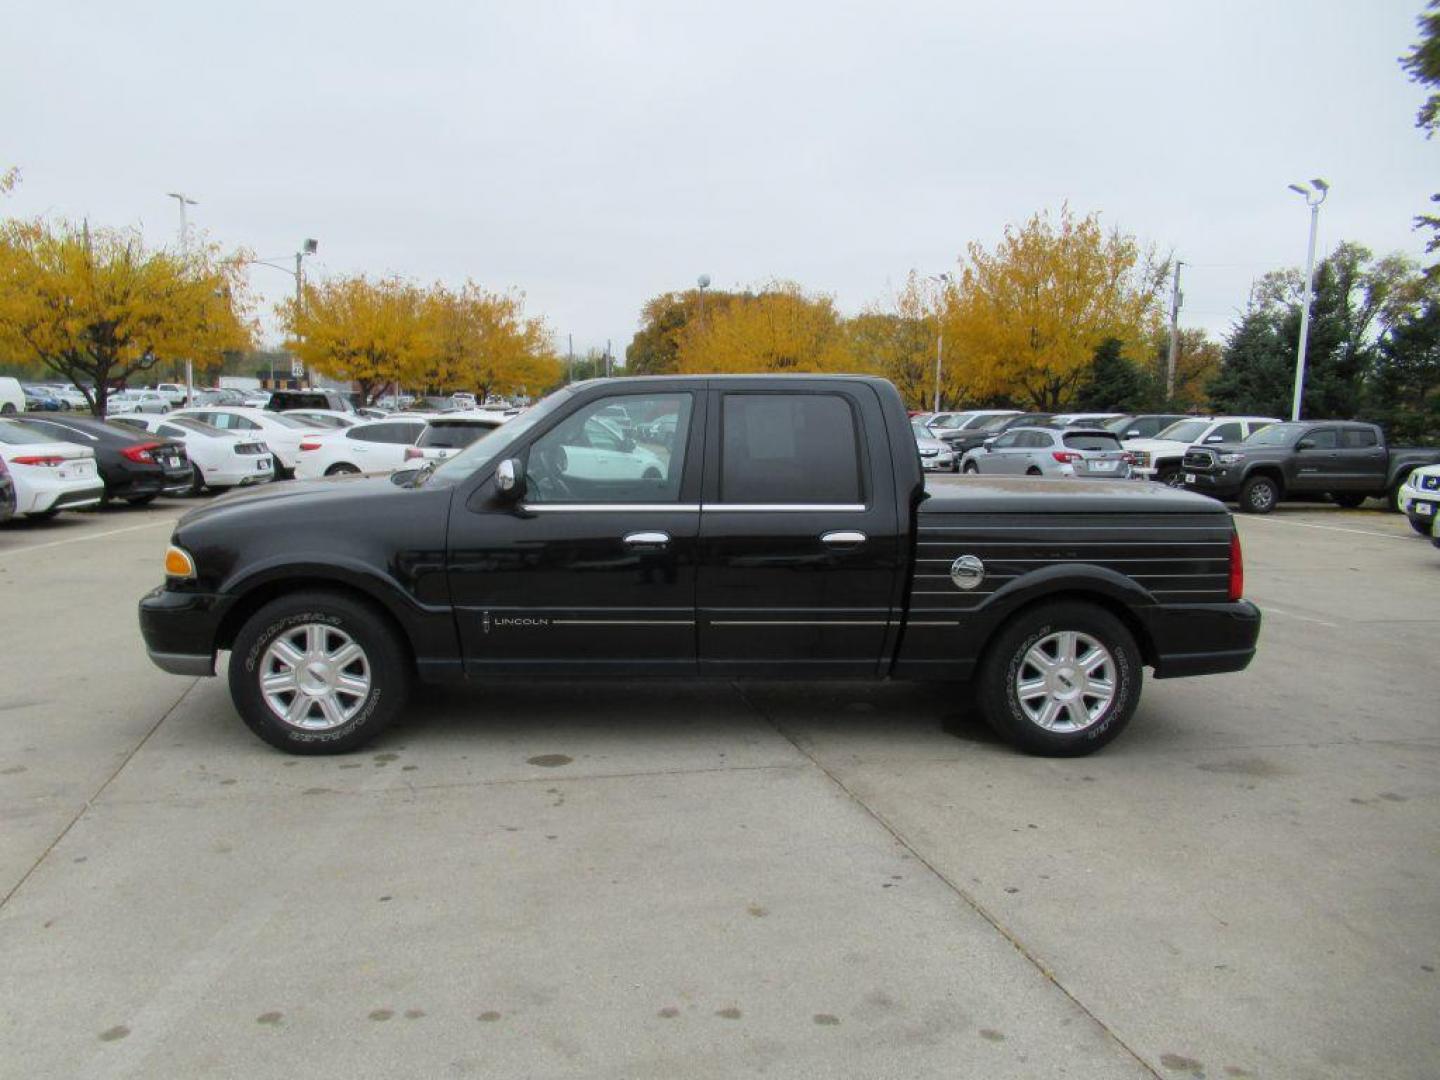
x=1358 y=439
x=789 y=449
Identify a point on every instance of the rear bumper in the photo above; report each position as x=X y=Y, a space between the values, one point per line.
x=180 y=630
x=1201 y=639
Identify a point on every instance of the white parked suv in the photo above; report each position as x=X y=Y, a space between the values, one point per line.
x=282 y=434
x=1159 y=458
x=49 y=473
x=172 y=392
x=1419 y=498
x=376 y=447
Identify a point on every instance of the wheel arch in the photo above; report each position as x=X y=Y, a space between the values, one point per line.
x=273 y=587
x=1270 y=471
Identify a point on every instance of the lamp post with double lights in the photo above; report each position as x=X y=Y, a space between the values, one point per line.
x=183 y=201
x=1313 y=197
x=945 y=281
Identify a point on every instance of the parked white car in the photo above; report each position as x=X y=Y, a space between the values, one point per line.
x=324 y=418
x=172 y=392
x=221 y=459
x=12 y=396
x=50 y=474
x=446 y=435
x=1159 y=458
x=1419 y=498
x=374 y=447
x=282 y=434
x=133 y=401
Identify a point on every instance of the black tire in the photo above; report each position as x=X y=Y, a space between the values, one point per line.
x=8 y=409
x=1392 y=497
x=1171 y=476
x=342 y=468
x=1419 y=524
x=197 y=481
x=651 y=473
x=43 y=515
x=1259 y=495
x=141 y=500
x=971 y=469
x=389 y=668
x=1348 y=499
x=1033 y=471
x=1006 y=659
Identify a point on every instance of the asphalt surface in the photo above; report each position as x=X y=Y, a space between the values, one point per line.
x=709 y=880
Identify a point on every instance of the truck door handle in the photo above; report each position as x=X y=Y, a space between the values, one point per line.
x=647 y=540
x=844 y=538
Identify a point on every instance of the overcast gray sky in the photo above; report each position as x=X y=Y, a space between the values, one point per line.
x=595 y=154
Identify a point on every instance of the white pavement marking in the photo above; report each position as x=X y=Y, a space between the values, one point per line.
x=1271 y=609
x=1330 y=528
x=87 y=536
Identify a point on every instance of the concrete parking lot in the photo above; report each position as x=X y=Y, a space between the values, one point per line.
x=710 y=880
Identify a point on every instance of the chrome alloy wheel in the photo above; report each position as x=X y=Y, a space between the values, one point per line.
x=1066 y=681
x=314 y=677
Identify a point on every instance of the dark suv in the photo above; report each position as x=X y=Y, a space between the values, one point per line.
x=283 y=400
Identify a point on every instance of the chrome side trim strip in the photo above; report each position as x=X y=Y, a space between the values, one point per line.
x=762 y=508
x=799 y=622
x=929 y=622
x=622 y=622
x=583 y=508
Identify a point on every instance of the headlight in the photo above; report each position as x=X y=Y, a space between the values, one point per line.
x=1231 y=459
x=178 y=563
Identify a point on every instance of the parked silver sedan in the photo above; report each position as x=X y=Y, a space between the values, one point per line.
x=1039 y=451
x=935 y=454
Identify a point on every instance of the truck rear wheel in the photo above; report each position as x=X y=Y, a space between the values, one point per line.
x=1060 y=680
x=318 y=673
x=1348 y=499
x=1259 y=495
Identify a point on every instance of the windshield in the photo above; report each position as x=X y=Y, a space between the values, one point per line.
x=483 y=451
x=921 y=431
x=1187 y=431
x=290 y=421
x=990 y=423
x=949 y=420
x=198 y=426
x=1276 y=435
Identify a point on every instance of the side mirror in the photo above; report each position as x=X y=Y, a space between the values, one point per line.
x=1133 y=433
x=508 y=479
x=988 y=443
x=1305 y=444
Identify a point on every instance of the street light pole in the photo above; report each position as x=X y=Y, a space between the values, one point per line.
x=184 y=201
x=1313 y=198
x=704 y=282
x=309 y=247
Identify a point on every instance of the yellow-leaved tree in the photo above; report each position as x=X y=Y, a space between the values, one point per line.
x=483 y=342
x=778 y=329
x=96 y=307
x=362 y=330
x=1026 y=317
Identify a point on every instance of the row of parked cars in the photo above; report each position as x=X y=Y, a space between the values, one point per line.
x=55 y=461
x=1255 y=461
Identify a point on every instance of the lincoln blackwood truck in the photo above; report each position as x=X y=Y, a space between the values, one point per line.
x=738 y=527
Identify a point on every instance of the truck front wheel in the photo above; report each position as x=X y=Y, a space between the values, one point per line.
x=1259 y=495
x=318 y=673
x=1061 y=680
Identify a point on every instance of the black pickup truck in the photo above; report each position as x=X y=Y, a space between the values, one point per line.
x=739 y=527
x=1346 y=460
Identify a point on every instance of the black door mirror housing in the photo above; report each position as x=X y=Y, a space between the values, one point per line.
x=1305 y=444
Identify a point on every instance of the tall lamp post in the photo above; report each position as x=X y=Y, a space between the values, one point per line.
x=1313 y=198
x=704 y=282
x=944 y=280
x=309 y=247
x=183 y=201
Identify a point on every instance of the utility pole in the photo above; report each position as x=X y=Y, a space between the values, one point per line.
x=184 y=201
x=570 y=358
x=300 y=300
x=607 y=357
x=1176 y=298
x=944 y=280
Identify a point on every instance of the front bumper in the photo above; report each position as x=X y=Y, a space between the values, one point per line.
x=180 y=630
x=1201 y=639
x=939 y=463
x=1222 y=483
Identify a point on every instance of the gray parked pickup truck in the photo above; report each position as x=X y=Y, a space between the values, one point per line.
x=770 y=527
x=1346 y=460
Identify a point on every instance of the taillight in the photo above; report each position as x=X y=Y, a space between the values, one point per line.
x=412 y=452
x=309 y=446
x=1128 y=458
x=1065 y=457
x=1237 y=568
x=39 y=459
x=141 y=454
